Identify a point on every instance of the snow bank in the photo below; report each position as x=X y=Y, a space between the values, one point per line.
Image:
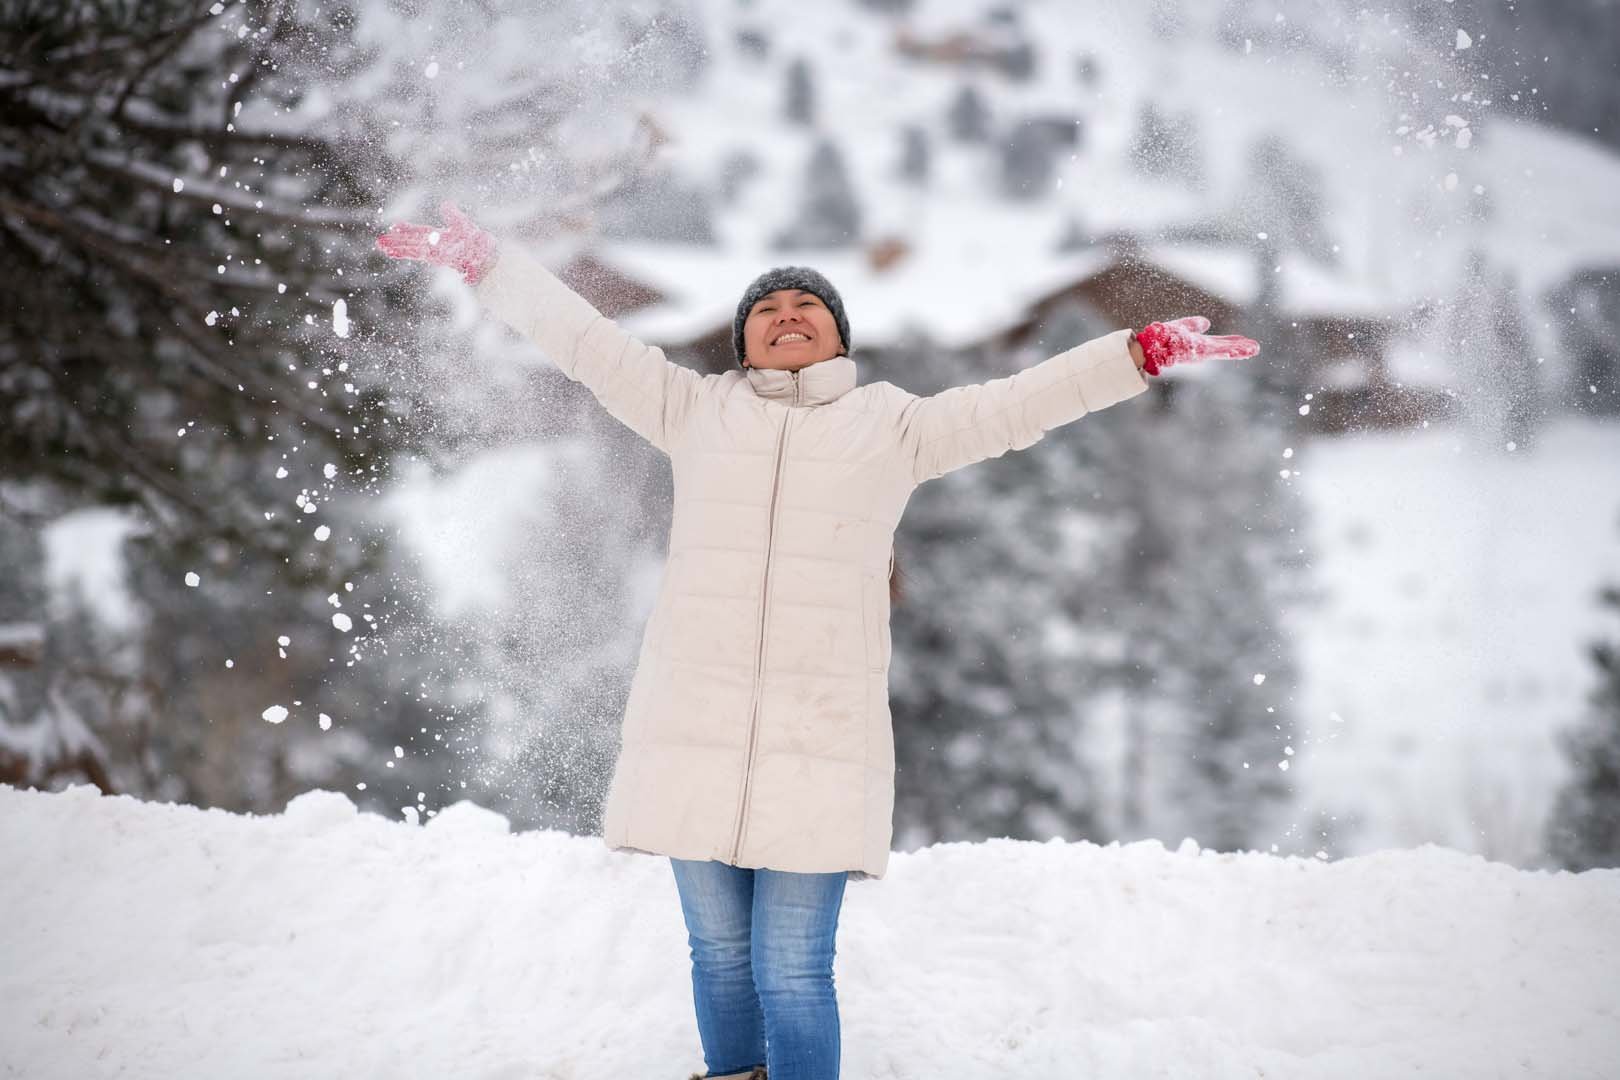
x=147 y=940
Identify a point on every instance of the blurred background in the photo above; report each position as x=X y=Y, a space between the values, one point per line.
x=278 y=514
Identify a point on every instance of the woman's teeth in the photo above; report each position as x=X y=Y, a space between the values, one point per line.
x=785 y=338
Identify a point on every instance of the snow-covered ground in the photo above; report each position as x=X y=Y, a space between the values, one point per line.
x=148 y=940
x=1461 y=586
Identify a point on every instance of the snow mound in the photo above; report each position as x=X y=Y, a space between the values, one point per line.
x=315 y=812
x=156 y=940
x=467 y=818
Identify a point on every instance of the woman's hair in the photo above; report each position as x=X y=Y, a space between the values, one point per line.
x=895 y=591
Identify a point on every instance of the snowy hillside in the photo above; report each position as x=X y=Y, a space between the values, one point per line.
x=1386 y=161
x=158 y=941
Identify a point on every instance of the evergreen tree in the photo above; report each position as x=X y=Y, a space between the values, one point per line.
x=739 y=167
x=156 y=193
x=1583 y=830
x=1489 y=343
x=1588 y=328
x=991 y=718
x=914 y=155
x=133 y=227
x=1205 y=558
x=1282 y=197
x=968 y=118
x=1028 y=164
x=799 y=102
x=830 y=215
x=661 y=208
x=1089 y=593
x=1168 y=146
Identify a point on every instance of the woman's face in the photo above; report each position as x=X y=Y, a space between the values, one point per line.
x=789 y=329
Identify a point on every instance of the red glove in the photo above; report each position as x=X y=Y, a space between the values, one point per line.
x=1181 y=340
x=460 y=244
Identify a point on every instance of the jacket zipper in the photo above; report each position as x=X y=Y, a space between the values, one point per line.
x=759 y=655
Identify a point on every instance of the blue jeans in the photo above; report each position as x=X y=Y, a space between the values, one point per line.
x=762 y=967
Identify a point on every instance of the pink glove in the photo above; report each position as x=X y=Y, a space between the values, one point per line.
x=460 y=244
x=1181 y=340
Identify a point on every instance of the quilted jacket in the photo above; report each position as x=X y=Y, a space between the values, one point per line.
x=757 y=730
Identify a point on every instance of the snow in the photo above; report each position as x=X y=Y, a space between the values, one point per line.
x=192 y=579
x=1461 y=589
x=84 y=562
x=342 y=622
x=155 y=940
x=275 y=714
x=468 y=526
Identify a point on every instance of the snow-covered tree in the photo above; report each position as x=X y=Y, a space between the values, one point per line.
x=169 y=182
x=991 y=721
x=915 y=159
x=753 y=43
x=1489 y=344
x=799 y=96
x=143 y=217
x=968 y=117
x=1281 y=196
x=1028 y=162
x=661 y=208
x=739 y=167
x=1587 y=312
x=1166 y=145
x=1584 y=829
x=1081 y=659
x=830 y=212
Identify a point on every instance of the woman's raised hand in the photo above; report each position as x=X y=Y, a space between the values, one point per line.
x=1181 y=340
x=458 y=243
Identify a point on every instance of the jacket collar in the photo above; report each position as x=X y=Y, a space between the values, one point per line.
x=814 y=384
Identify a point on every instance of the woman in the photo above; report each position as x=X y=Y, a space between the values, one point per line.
x=757 y=749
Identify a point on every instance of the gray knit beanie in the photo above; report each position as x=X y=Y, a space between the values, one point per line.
x=790 y=277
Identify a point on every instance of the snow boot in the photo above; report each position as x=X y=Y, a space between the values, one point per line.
x=756 y=1073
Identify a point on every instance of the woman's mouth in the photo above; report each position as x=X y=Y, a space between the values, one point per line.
x=790 y=338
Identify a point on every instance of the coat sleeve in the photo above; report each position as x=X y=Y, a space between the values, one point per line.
x=643 y=390
x=965 y=424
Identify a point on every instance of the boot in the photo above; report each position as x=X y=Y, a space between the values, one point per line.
x=757 y=1073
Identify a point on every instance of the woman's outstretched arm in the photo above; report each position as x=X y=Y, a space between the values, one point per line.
x=966 y=424
x=636 y=383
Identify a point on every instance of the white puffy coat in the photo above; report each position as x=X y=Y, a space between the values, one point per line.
x=757 y=731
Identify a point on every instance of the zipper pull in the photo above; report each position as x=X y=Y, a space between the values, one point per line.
x=795 y=375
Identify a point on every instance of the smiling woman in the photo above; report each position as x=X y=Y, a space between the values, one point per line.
x=788 y=329
x=757 y=747
x=790 y=317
